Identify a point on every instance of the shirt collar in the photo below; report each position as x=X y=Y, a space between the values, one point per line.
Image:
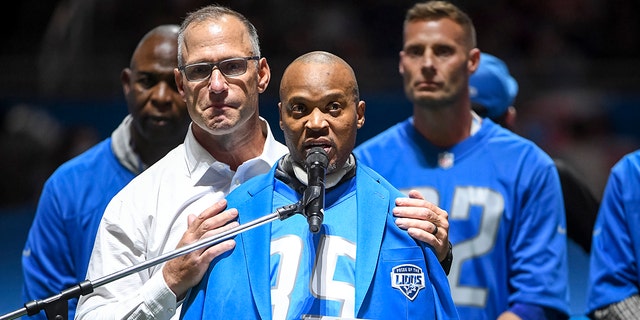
x=123 y=148
x=204 y=169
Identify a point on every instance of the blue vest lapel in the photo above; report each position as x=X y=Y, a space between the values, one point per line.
x=373 y=203
x=257 y=256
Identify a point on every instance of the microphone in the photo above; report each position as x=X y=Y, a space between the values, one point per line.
x=316 y=163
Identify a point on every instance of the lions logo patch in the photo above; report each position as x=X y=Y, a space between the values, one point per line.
x=407 y=278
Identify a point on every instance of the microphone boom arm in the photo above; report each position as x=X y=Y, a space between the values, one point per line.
x=56 y=306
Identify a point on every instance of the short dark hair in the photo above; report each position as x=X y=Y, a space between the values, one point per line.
x=434 y=10
x=214 y=12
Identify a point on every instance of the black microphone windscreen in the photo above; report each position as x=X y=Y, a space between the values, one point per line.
x=317 y=156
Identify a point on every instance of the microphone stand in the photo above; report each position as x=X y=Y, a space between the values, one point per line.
x=56 y=306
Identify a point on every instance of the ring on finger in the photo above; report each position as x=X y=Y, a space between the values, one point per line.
x=435 y=231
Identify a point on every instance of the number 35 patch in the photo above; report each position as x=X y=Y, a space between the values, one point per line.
x=407 y=278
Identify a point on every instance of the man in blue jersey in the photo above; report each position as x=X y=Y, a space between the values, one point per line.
x=61 y=237
x=614 y=278
x=362 y=263
x=493 y=91
x=501 y=191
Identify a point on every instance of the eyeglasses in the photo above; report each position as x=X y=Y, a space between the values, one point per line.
x=230 y=68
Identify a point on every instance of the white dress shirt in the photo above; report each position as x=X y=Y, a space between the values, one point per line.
x=148 y=217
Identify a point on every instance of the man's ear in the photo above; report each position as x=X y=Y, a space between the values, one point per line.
x=510 y=117
x=474 y=60
x=400 y=67
x=360 y=108
x=177 y=75
x=125 y=80
x=280 y=115
x=264 y=75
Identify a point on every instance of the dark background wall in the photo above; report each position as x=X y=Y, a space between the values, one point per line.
x=576 y=61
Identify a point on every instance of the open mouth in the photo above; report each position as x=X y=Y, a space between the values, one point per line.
x=325 y=146
x=159 y=121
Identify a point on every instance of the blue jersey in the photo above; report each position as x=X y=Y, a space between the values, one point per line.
x=60 y=241
x=300 y=283
x=504 y=200
x=359 y=265
x=615 y=250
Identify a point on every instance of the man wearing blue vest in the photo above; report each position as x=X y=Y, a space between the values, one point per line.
x=361 y=263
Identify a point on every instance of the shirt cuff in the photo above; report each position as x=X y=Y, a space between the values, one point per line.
x=160 y=300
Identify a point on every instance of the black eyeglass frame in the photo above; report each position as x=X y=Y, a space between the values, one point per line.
x=214 y=65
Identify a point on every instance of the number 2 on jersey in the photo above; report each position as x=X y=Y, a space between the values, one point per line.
x=492 y=205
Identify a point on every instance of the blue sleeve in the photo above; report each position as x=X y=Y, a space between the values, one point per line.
x=539 y=270
x=46 y=261
x=445 y=308
x=614 y=275
x=533 y=312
